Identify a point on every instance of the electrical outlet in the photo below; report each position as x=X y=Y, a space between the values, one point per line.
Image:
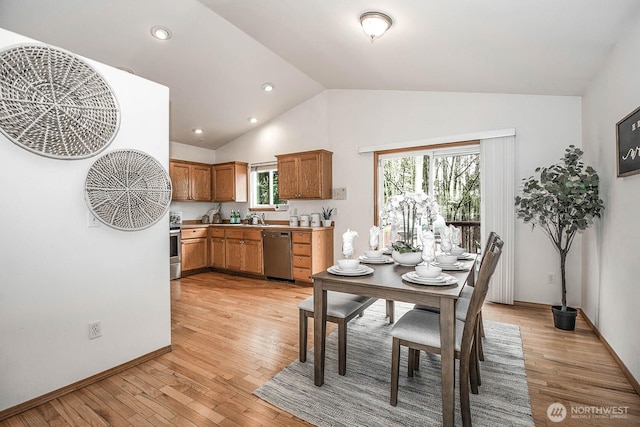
x=95 y=330
x=551 y=278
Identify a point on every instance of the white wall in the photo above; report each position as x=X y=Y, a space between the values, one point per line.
x=57 y=275
x=344 y=120
x=610 y=254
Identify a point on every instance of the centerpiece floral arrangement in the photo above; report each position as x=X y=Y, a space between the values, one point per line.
x=407 y=210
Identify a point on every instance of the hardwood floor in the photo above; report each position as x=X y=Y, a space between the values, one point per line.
x=231 y=334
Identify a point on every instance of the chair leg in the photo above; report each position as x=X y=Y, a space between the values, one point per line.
x=474 y=373
x=411 y=358
x=395 y=371
x=416 y=361
x=479 y=336
x=302 y=337
x=342 y=347
x=390 y=311
x=465 y=404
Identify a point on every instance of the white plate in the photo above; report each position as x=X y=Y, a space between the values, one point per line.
x=414 y=278
x=457 y=266
x=362 y=270
x=379 y=260
x=441 y=265
x=414 y=275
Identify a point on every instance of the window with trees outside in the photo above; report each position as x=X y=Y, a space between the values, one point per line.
x=264 y=186
x=451 y=174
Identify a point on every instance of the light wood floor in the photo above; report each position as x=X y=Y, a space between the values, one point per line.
x=232 y=334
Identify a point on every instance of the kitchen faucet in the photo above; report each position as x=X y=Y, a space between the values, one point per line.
x=262 y=219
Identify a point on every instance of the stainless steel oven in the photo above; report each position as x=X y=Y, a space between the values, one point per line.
x=175 y=254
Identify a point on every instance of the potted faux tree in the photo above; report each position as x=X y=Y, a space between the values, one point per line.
x=562 y=201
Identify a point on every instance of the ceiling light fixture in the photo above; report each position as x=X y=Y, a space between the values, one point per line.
x=268 y=87
x=375 y=24
x=160 y=32
x=252 y=120
x=197 y=131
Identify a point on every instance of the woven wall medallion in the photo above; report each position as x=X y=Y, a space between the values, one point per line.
x=54 y=104
x=128 y=190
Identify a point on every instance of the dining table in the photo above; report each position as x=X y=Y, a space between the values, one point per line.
x=386 y=282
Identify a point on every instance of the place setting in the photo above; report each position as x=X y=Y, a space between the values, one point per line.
x=429 y=275
x=425 y=273
x=349 y=266
x=374 y=255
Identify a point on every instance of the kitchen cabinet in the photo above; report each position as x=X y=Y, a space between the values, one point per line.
x=190 y=181
x=194 y=248
x=312 y=252
x=305 y=175
x=230 y=182
x=243 y=250
x=217 y=247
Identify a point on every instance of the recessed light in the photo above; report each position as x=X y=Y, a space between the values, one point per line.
x=252 y=120
x=197 y=131
x=268 y=87
x=160 y=32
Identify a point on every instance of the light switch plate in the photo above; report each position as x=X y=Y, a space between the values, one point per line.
x=339 y=194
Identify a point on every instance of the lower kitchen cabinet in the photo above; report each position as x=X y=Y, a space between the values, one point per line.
x=217 y=248
x=243 y=250
x=194 y=248
x=312 y=252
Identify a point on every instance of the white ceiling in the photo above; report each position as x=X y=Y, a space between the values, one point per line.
x=223 y=50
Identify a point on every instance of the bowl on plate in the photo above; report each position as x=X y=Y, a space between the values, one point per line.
x=428 y=271
x=446 y=259
x=373 y=254
x=456 y=251
x=348 y=264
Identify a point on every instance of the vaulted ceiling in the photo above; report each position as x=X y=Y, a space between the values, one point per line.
x=222 y=51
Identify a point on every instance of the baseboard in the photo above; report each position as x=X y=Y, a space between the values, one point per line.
x=15 y=410
x=634 y=383
x=532 y=304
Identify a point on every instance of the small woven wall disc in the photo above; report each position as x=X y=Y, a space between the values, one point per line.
x=54 y=104
x=128 y=190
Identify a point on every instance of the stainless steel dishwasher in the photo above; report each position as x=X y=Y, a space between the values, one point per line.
x=276 y=252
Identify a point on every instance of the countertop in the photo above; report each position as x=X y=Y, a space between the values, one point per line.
x=259 y=226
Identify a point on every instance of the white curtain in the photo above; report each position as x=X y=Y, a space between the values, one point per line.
x=497 y=210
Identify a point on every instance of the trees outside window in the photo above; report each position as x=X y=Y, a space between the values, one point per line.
x=451 y=176
x=264 y=187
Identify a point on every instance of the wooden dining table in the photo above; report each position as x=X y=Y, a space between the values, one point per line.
x=386 y=282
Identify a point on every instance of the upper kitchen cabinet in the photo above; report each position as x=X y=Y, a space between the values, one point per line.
x=230 y=182
x=305 y=175
x=190 y=181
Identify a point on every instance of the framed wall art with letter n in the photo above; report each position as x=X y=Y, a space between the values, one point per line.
x=628 y=144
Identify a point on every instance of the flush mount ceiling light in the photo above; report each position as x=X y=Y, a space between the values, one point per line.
x=268 y=87
x=252 y=120
x=197 y=131
x=160 y=32
x=375 y=24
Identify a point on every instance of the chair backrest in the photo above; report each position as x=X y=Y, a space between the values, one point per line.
x=490 y=242
x=489 y=261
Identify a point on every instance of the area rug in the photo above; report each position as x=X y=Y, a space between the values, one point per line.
x=361 y=397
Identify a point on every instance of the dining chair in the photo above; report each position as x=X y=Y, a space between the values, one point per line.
x=341 y=308
x=463 y=304
x=419 y=330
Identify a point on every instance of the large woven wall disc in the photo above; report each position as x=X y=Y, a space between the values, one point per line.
x=128 y=190
x=54 y=104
